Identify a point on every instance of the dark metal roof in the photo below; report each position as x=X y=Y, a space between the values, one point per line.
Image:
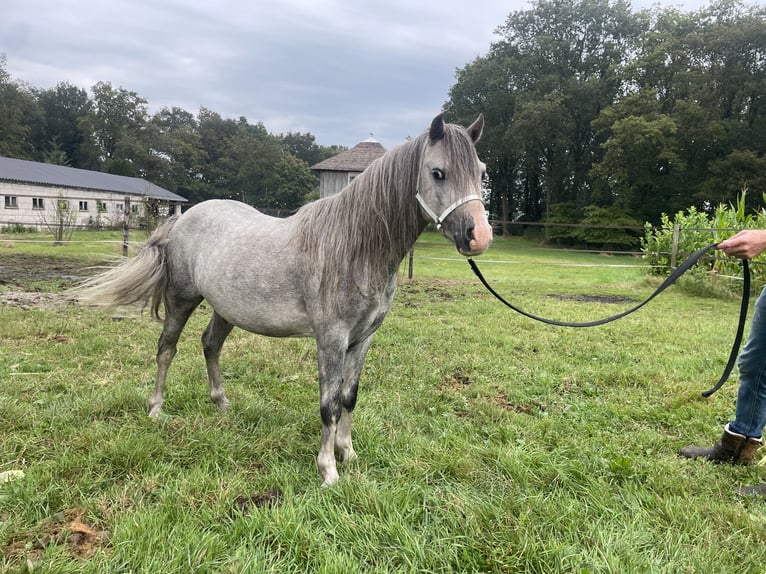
x=24 y=171
x=355 y=159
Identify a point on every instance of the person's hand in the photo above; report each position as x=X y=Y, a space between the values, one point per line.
x=745 y=245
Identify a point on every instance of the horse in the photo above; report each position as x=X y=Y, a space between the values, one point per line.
x=329 y=271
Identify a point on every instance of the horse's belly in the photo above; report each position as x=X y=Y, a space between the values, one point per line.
x=275 y=319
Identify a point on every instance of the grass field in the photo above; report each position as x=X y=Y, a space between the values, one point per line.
x=487 y=442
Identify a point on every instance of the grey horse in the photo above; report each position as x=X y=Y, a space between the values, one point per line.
x=329 y=271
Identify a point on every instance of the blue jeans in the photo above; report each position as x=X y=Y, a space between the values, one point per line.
x=750 y=414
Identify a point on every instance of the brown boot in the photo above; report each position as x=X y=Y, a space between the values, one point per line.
x=733 y=448
x=747 y=454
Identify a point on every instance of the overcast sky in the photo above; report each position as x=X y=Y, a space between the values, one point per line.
x=342 y=70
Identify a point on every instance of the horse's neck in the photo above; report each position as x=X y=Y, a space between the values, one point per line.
x=398 y=249
x=387 y=198
x=367 y=229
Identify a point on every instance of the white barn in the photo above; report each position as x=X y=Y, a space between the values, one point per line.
x=30 y=192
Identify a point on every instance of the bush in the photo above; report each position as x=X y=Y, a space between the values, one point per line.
x=593 y=226
x=657 y=243
x=562 y=213
x=608 y=227
x=17 y=228
x=696 y=230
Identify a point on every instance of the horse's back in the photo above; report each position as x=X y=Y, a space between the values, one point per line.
x=210 y=214
x=218 y=232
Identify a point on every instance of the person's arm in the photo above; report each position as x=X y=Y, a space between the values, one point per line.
x=746 y=244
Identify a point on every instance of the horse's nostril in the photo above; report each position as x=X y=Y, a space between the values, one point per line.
x=464 y=236
x=467 y=235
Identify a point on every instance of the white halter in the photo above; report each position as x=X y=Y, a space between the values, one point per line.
x=438 y=219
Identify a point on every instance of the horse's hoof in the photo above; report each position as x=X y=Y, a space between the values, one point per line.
x=330 y=480
x=160 y=418
x=349 y=456
x=221 y=402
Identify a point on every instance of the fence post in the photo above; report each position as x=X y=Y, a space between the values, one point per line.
x=125 y=225
x=674 y=248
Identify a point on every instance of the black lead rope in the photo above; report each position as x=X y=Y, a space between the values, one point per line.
x=672 y=278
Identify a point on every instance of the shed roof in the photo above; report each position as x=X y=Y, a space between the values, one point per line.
x=19 y=170
x=355 y=159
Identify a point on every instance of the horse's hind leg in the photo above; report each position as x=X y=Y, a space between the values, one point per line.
x=212 y=342
x=177 y=313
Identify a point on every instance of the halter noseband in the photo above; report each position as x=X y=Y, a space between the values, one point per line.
x=439 y=219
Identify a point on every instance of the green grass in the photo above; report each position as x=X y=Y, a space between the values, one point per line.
x=84 y=244
x=487 y=442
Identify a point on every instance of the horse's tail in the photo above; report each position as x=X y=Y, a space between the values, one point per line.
x=140 y=279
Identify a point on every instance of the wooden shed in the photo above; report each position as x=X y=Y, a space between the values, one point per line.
x=337 y=172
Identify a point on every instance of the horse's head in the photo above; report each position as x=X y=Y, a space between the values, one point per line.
x=449 y=190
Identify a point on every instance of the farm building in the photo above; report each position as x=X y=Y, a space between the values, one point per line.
x=337 y=172
x=35 y=194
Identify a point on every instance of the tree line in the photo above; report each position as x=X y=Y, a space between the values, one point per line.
x=199 y=157
x=599 y=114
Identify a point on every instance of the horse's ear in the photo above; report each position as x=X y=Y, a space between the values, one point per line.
x=476 y=128
x=437 y=129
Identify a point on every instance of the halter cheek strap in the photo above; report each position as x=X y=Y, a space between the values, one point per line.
x=439 y=219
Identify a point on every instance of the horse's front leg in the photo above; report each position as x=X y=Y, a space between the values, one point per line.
x=352 y=368
x=331 y=358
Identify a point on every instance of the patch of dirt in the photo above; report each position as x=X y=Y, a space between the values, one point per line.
x=33 y=299
x=457 y=380
x=594 y=298
x=20 y=268
x=412 y=293
x=67 y=528
x=268 y=499
x=19 y=272
x=501 y=400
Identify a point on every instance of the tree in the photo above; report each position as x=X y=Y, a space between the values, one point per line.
x=728 y=176
x=694 y=93
x=60 y=222
x=63 y=139
x=200 y=157
x=19 y=117
x=304 y=146
x=640 y=167
x=485 y=86
x=294 y=183
x=589 y=104
x=218 y=166
x=116 y=122
x=176 y=145
x=545 y=81
x=266 y=176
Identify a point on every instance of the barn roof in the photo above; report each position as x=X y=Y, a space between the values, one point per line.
x=355 y=159
x=23 y=171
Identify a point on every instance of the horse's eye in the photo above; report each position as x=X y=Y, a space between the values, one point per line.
x=438 y=174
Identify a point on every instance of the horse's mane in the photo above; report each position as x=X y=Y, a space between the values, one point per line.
x=362 y=233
